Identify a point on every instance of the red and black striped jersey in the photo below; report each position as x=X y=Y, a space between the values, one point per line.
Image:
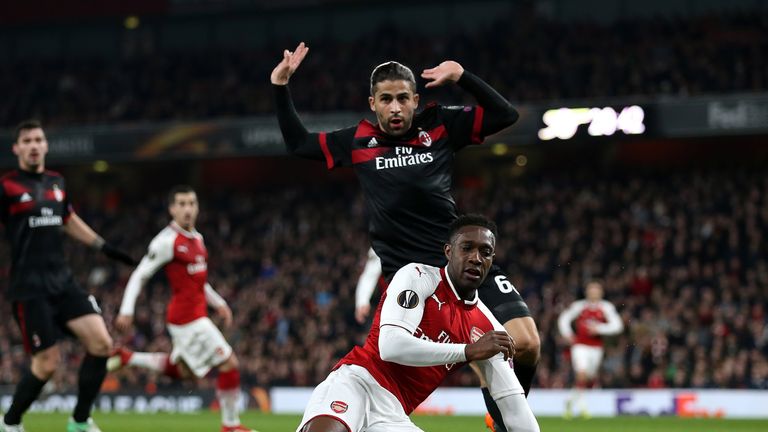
x=407 y=180
x=33 y=208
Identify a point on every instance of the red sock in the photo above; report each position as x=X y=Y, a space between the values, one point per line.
x=228 y=380
x=171 y=369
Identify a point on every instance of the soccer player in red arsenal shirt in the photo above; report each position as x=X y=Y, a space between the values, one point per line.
x=404 y=162
x=47 y=301
x=593 y=318
x=198 y=346
x=429 y=323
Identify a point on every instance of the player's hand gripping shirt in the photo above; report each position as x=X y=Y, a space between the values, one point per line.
x=33 y=208
x=422 y=300
x=185 y=258
x=601 y=316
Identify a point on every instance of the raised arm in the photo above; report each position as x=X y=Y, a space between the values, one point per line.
x=498 y=113
x=298 y=140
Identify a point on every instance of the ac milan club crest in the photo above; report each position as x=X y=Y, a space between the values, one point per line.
x=425 y=139
x=58 y=194
x=475 y=334
x=339 y=407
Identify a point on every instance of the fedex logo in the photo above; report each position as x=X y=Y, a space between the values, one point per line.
x=681 y=405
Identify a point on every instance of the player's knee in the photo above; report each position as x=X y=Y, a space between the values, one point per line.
x=527 y=347
x=44 y=365
x=230 y=364
x=100 y=346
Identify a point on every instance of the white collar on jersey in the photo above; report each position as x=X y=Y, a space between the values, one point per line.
x=190 y=234
x=450 y=284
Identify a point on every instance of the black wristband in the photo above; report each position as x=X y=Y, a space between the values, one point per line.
x=117 y=255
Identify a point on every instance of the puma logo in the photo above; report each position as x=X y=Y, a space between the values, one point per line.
x=439 y=303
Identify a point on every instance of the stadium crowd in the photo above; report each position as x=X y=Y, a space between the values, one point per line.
x=683 y=257
x=527 y=57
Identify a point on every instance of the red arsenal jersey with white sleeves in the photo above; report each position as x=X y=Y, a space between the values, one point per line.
x=584 y=314
x=185 y=258
x=421 y=299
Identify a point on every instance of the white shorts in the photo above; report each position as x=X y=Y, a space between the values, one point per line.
x=351 y=395
x=586 y=359
x=200 y=344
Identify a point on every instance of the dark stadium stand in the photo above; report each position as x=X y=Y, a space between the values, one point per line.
x=527 y=58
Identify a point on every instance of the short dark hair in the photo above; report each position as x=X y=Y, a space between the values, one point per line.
x=472 y=220
x=392 y=71
x=27 y=125
x=177 y=190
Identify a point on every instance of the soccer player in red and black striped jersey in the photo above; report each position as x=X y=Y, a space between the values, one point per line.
x=47 y=302
x=404 y=163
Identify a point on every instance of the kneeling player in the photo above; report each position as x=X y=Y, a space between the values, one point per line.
x=429 y=323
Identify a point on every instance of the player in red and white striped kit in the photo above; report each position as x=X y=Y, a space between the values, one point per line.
x=593 y=319
x=198 y=345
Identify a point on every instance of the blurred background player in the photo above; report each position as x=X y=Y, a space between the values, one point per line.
x=47 y=302
x=429 y=323
x=366 y=285
x=405 y=163
x=198 y=345
x=593 y=318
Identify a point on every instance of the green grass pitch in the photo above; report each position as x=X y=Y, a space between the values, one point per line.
x=209 y=422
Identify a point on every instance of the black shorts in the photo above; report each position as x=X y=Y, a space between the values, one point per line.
x=501 y=297
x=43 y=320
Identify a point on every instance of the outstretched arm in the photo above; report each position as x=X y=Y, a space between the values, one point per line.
x=160 y=253
x=80 y=231
x=498 y=112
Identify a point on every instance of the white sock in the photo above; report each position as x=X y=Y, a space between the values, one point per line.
x=228 y=400
x=581 y=401
x=151 y=361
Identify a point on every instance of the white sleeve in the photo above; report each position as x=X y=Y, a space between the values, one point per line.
x=396 y=345
x=401 y=314
x=516 y=411
x=614 y=325
x=498 y=373
x=505 y=388
x=366 y=284
x=160 y=253
x=566 y=318
x=212 y=297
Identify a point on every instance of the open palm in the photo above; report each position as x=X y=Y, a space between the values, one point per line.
x=288 y=65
